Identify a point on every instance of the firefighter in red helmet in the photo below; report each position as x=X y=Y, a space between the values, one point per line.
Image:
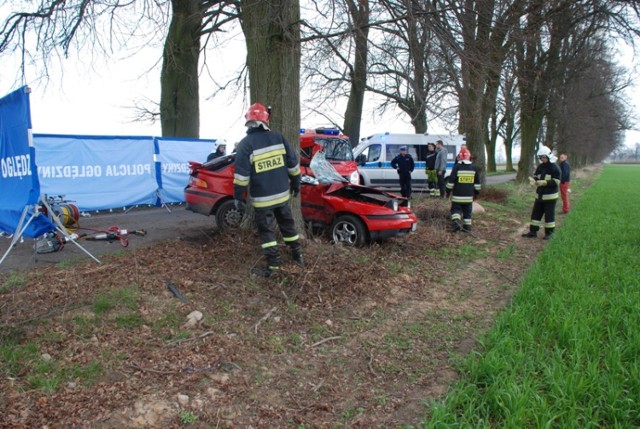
x=463 y=187
x=268 y=166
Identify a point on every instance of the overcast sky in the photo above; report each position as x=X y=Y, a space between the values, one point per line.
x=97 y=98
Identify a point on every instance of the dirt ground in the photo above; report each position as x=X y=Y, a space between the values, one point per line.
x=359 y=338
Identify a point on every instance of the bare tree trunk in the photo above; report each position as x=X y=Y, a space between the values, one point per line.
x=359 y=11
x=180 y=95
x=272 y=32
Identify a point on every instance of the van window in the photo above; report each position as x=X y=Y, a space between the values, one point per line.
x=336 y=149
x=451 y=152
x=372 y=153
x=393 y=150
x=423 y=151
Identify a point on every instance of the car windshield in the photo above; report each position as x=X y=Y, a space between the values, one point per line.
x=336 y=149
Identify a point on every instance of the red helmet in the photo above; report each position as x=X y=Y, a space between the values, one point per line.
x=464 y=154
x=257 y=112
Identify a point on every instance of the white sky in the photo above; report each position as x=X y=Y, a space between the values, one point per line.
x=98 y=98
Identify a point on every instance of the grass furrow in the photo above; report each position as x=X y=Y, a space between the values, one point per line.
x=566 y=352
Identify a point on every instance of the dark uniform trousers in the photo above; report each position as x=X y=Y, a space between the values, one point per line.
x=548 y=209
x=462 y=211
x=405 y=185
x=266 y=219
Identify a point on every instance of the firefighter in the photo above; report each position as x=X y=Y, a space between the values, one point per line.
x=546 y=180
x=403 y=164
x=430 y=169
x=267 y=164
x=220 y=151
x=463 y=187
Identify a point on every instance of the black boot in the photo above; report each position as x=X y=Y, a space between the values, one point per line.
x=455 y=226
x=530 y=234
x=266 y=272
x=466 y=228
x=548 y=235
x=273 y=263
x=296 y=255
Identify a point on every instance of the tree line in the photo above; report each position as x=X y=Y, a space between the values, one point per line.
x=509 y=72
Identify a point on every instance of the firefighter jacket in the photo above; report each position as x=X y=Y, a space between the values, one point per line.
x=265 y=162
x=430 y=160
x=464 y=182
x=549 y=172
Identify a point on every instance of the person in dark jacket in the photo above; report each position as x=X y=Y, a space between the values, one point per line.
x=463 y=187
x=403 y=164
x=268 y=166
x=441 y=166
x=565 y=182
x=220 y=151
x=430 y=168
x=546 y=179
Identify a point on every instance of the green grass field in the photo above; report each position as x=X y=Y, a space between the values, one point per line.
x=566 y=352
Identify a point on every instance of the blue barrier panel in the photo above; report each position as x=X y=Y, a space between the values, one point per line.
x=19 y=186
x=173 y=156
x=97 y=172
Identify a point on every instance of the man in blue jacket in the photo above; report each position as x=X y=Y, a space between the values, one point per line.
x=403 y=164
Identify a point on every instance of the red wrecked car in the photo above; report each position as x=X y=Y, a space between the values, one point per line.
x=354 y=214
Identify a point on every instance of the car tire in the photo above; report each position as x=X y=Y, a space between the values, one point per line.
x=348 y=230
x=228 y=217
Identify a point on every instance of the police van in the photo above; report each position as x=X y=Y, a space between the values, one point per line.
x=375 y=153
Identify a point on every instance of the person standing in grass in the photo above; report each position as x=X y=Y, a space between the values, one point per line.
x=403 y=164
x=441 y=166
x=546 y=180
x=463 y=187
x=430 y=168
x=565 y=182
x=268 y=168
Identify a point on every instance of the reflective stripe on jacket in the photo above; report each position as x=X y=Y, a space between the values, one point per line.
x=464 y=182
x=550 y=172
x=265 y=161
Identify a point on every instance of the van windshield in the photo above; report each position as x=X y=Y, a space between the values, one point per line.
x=336 y=149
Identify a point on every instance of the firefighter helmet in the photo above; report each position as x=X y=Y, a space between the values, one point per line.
x=464 y=154
x=257 y=113
x=544 y=151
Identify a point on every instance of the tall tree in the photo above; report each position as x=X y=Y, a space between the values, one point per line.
x=272 y=33
x=56 y=27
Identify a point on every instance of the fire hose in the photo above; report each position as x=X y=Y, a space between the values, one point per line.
x=114 y=233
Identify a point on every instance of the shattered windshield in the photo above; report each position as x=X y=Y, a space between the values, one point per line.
x=336 y=149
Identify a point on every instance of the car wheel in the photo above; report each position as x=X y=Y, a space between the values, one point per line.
x=349 y=230
x=228 y=216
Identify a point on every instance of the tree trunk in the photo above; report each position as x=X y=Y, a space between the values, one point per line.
x=359 y=11
x=272 y=33
x=180 y=95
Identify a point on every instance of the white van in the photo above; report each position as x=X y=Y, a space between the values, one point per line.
x=375 y=153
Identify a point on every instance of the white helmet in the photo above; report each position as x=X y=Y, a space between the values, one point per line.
x=544 y=151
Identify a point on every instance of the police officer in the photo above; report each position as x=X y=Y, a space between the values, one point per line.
x=403 y=164
x=546 y=180
x=267 y=164
x=463 y=187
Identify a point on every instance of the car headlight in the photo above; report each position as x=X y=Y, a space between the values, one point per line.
x=354 y=178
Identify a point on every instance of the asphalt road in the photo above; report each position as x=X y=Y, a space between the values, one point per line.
x=159 y=223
